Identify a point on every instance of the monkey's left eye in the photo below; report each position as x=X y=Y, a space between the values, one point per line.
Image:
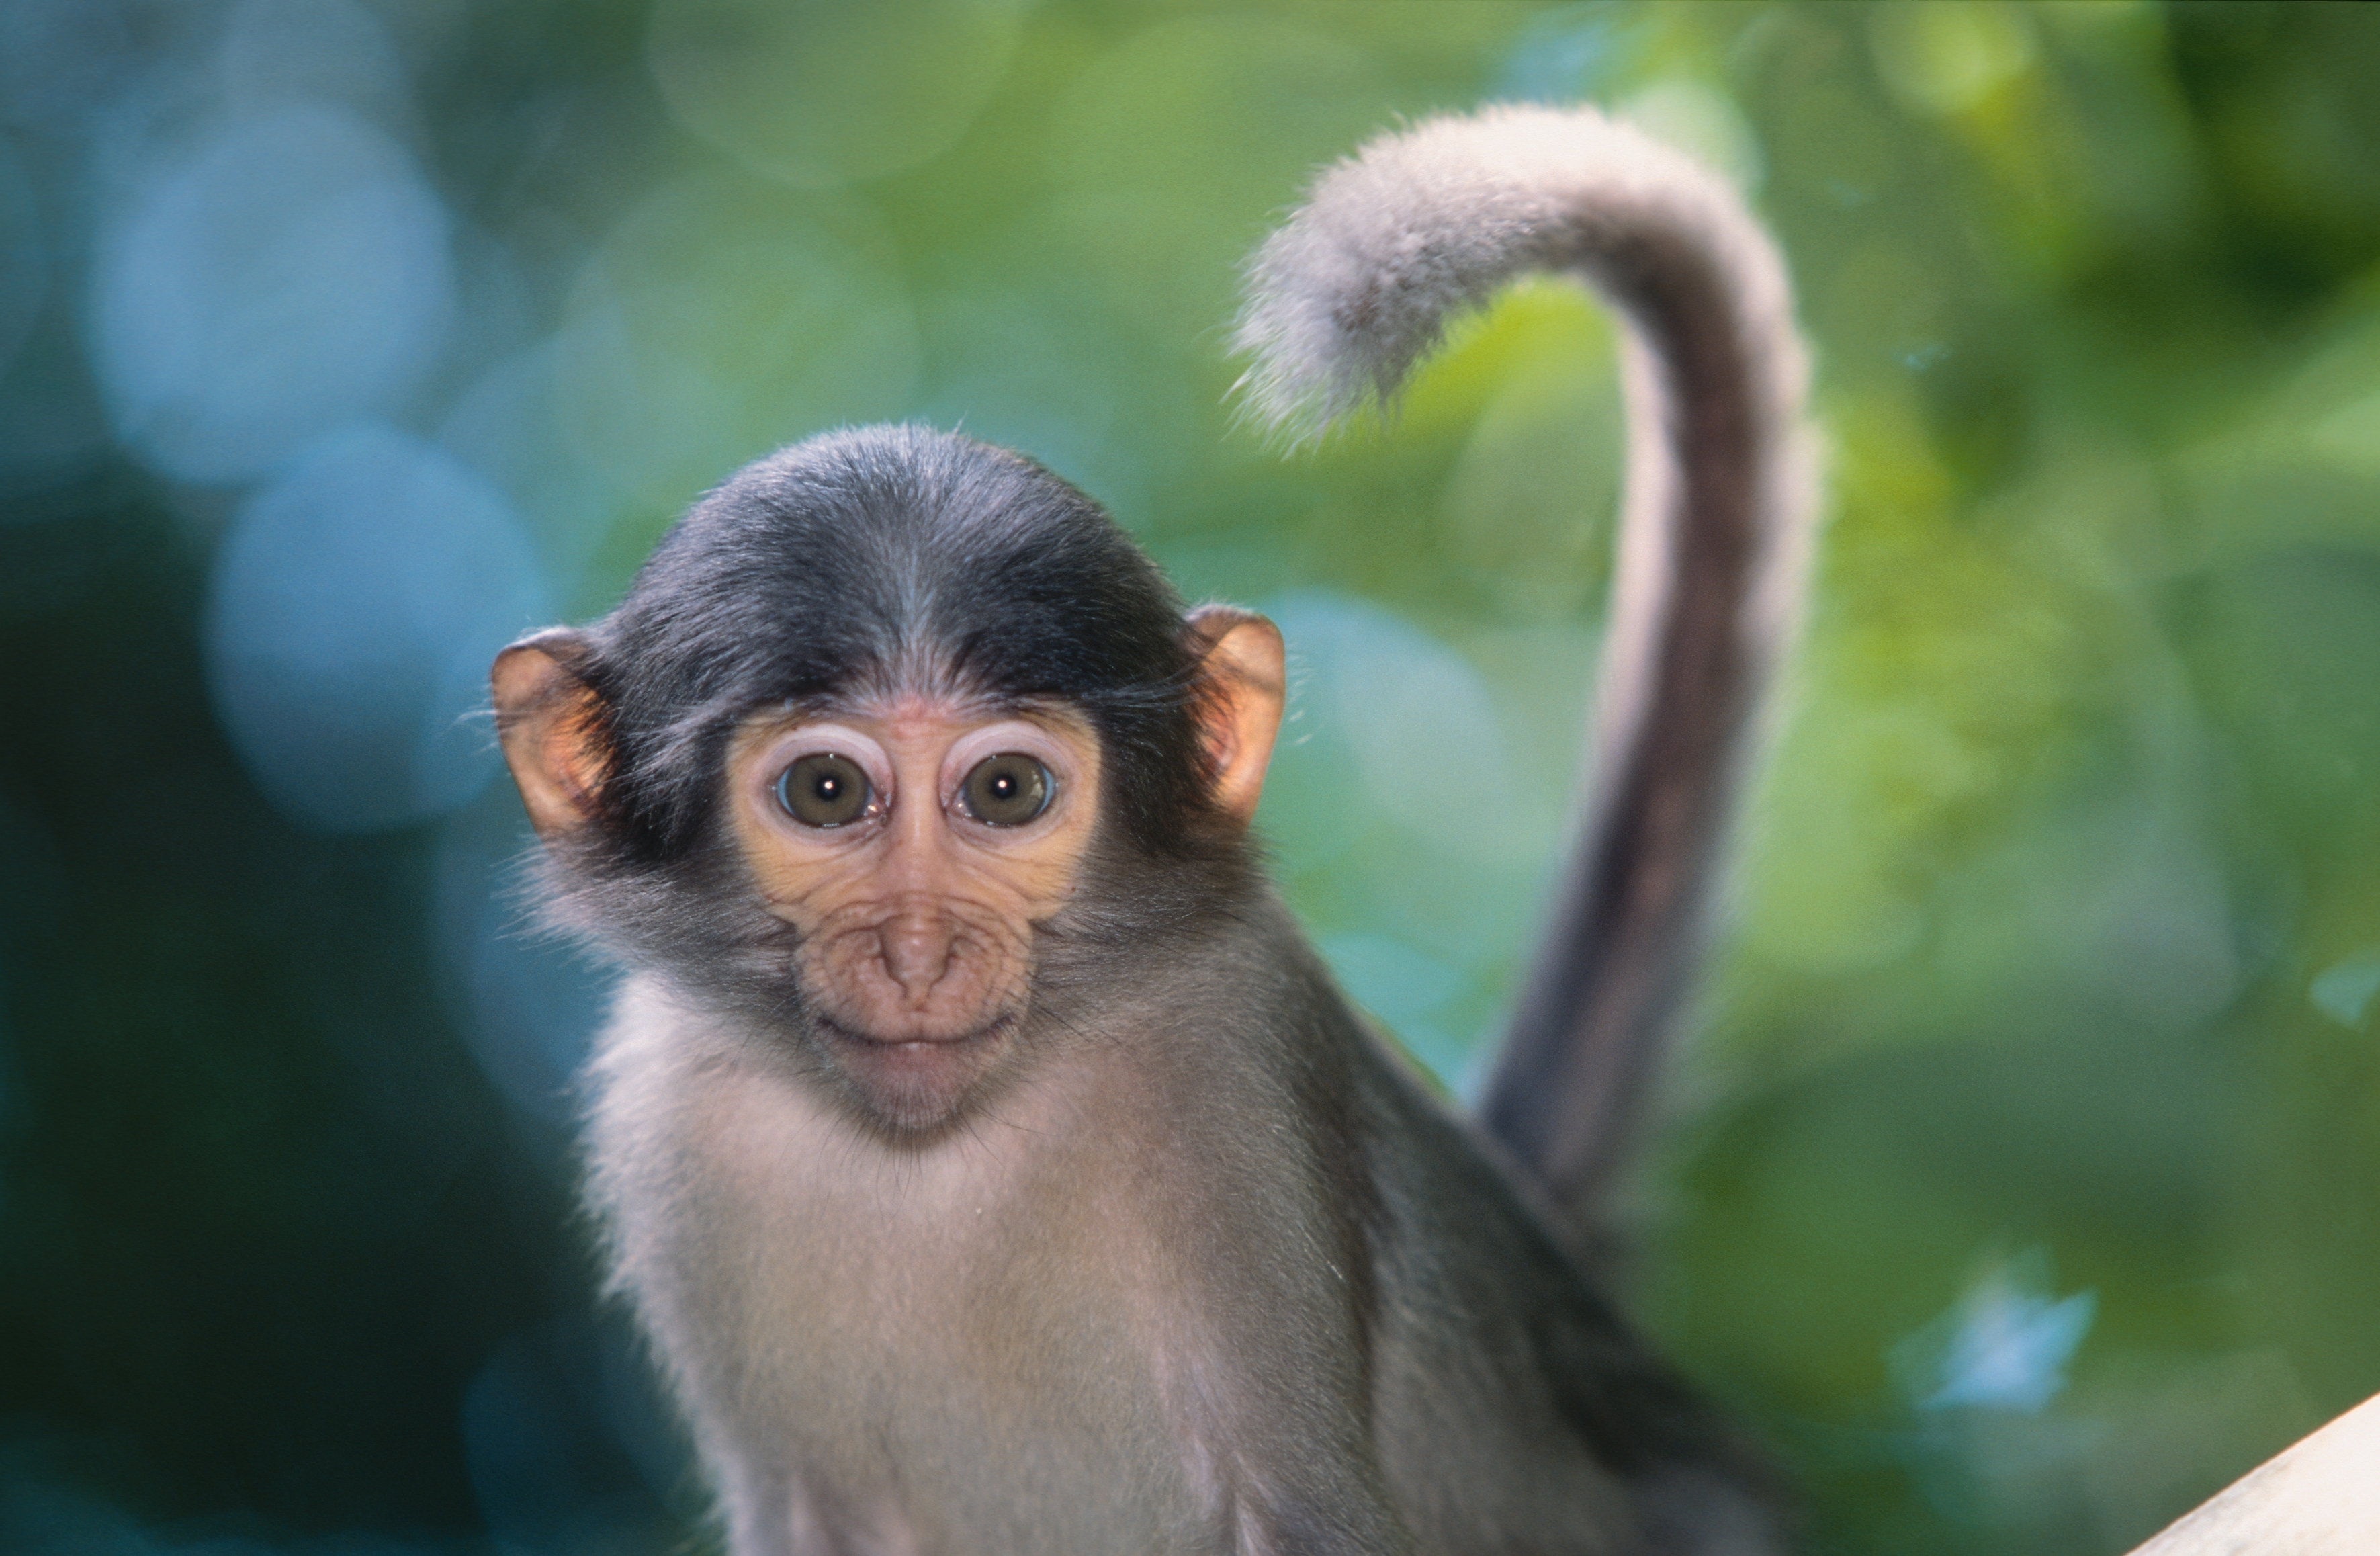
x=824 y=790
x=1007 y=790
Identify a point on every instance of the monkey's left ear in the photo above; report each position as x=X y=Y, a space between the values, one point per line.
x=1242 y=684
x=551 y=724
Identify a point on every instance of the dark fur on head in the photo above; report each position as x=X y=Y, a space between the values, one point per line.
x=878 y=559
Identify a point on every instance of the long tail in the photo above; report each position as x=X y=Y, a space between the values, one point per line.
x=1421 y=226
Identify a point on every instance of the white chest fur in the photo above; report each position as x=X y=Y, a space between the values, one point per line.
x=884 y=1345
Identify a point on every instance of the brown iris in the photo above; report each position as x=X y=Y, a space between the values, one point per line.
x=1007 y=790
x=824 y=790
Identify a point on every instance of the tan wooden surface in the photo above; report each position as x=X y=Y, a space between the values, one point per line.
x=2320 y=1498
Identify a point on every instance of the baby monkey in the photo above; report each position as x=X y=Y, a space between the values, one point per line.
x=991 y=1164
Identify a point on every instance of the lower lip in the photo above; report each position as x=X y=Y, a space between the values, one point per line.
x=916 y=1083
x=919 y=1045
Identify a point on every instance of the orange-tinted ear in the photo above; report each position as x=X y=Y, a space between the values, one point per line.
x=1241 y=664
x=547 y=718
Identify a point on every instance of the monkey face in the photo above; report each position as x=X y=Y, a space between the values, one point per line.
x=874 y=873
x=913 y=848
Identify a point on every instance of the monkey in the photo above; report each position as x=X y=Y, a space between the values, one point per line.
x=989 y=1161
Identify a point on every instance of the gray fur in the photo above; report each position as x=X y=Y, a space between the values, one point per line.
x=1216 y=1277
x=1421 y=226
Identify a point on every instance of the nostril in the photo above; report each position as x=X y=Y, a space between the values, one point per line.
x=916 y=953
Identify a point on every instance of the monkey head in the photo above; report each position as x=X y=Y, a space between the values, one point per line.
x=869 y=729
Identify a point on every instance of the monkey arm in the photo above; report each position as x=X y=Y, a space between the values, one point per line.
x=1352 y=292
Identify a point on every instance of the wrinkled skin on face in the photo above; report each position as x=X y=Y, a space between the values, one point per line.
x=915 y=918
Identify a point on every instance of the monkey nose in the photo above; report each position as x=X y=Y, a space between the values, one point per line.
x=916 y=953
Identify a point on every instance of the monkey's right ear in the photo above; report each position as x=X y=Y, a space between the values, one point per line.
x=1243 y=682
x=551 y=724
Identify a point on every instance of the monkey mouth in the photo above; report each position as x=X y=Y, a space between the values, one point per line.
x=999 y=1026
x=916 y=1083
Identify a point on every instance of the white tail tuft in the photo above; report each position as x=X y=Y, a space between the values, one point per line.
x=1425 y=224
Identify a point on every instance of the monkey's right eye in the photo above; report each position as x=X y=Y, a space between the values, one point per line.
x=824 y=790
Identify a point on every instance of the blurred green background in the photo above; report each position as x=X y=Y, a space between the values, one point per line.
x=2022 y=1184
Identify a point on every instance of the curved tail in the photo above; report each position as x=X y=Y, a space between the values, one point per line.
x=1356 y=288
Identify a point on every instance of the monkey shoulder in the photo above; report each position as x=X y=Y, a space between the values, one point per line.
x=1494 y=1350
